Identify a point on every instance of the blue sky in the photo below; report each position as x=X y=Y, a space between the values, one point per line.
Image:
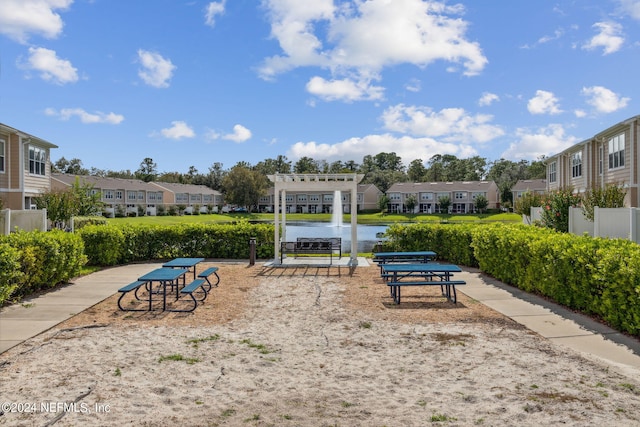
x=191 y=83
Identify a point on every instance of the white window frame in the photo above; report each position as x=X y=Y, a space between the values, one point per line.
x=616 y=152
x=37 y=160
x=576 y=164
x=553 y=171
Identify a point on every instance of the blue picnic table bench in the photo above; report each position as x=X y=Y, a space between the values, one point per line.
x=423 y=274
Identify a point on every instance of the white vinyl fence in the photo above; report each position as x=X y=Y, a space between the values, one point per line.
x=27 y=220
x=614 y=223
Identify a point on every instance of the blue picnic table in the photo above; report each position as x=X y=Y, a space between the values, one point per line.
x=382 y=258
x=166 y=278
x=423 y=274
x=187 y=263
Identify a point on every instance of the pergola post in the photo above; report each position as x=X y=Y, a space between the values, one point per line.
x=315 y=182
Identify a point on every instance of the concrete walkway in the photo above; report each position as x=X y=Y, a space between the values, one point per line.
x=35 y=315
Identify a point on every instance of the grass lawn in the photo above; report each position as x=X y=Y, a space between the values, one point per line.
x=375 y=218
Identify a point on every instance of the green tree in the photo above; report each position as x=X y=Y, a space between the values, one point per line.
x=416 y=171
x=383 y=203
x=612 y=196
x=444 y=202
x=481 y=203
x=410 y=202
x=59 y=205
x=71 y=167
x=306 y=165
x=87 y=199
x=244 y=187
x=147 y=171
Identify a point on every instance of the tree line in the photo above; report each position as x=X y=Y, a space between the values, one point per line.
x=244 y=183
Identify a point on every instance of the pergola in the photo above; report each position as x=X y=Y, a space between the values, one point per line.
x=343 y=182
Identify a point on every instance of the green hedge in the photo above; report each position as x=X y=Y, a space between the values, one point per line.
x=451 y=242
x=33 y=261
x=110 y=245
x=596 y=276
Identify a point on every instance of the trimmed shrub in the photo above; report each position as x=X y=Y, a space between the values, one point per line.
x=117 y=245
x=104 y=245
x=10 y=272
x=45 y=259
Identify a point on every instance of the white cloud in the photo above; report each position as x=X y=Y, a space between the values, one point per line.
x=85 y=117
x=488 y=98
x=362 y=37
x=240 y=134
x=344 y=89
x=406 y=147
x=21 y=18
x=178 y=130
x=609 y=38
x=631 y=8
x=156 y=71
x=213 y=9
x=544 y=103
x=449 y=124
x=544 y=141
x=414 y=85
x=50 y=67
x=603 y=99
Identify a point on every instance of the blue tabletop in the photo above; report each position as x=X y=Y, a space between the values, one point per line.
x=163 y=274
x=183 y=262
x=410 y=268
x=403 y=254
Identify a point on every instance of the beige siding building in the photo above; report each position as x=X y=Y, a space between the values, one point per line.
x=132 y=195
x=192 y=196
x=610 y=157
x=322 y=202
x=534 y=186
x=462 y=195
x=25 y=168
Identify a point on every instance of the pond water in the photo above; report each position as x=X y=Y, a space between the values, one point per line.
x=366 y=233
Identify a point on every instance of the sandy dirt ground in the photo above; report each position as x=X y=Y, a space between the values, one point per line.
x=308 y=347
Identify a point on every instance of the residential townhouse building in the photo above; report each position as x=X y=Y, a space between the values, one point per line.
x=462 y=195
x=609 y=157
x=132 y=195
x=25 y=168
x=192 y=196
x=534 y=186
x=322 y=202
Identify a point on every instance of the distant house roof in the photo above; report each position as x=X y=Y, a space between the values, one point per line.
x=417 y=187
x=185 y=188
x=535 y=185
x=105 y=183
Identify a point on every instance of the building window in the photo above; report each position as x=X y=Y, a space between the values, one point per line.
x=108 y=194
x=601 y=160
x=140 y=195
x=616 y=152
x=426 y=196
x=37 y=161
x=2 y=155
x=459 y=195
x=131 y=196
x=553 y=172
x=576 y=164
x=118 y=194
